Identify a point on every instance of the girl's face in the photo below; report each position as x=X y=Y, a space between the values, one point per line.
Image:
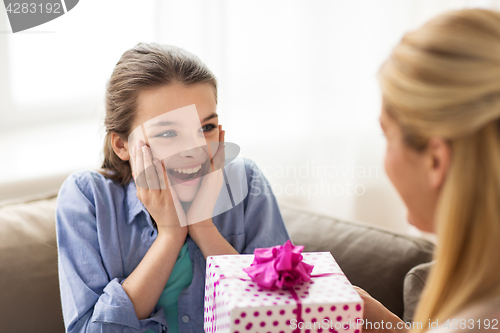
x=178 y=122
x=417 y=176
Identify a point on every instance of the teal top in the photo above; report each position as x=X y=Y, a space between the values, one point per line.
x=180 y=278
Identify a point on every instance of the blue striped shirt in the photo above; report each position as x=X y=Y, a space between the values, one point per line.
x=104 y=231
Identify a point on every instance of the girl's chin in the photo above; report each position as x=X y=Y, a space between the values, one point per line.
x=185 y=193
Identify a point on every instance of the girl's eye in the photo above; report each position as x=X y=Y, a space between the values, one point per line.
x=207 y=128
x=166 y=134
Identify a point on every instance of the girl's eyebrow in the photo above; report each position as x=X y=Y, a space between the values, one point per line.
x=170 y=123
x=163 y=123
x=213 y=115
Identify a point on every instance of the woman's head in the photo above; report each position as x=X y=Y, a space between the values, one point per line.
x=148 y=81
x=441 y=114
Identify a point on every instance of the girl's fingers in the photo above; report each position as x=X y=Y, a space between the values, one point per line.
x=219 y=144
x=221 y=134
x=139 y=161
x=149 y=169
x=170 y=189
x=220 y=154
x=169 y=185
x=132 y=161
x=140 y=177
x=160 y=171
x=215 y=146
x=177 y=204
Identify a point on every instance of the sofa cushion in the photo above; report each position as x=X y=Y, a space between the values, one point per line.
x=28 y=189
x=29 y=296
x=413 y=286
x=372 y=258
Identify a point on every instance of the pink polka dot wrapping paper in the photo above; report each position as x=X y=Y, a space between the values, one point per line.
x=236 y=304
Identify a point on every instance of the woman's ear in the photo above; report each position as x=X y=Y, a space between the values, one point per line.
x=120 y=146
x=439 y=158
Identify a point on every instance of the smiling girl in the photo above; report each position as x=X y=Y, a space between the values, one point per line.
x=133 y=237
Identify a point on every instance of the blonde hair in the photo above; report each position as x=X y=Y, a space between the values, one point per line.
x=443 y=80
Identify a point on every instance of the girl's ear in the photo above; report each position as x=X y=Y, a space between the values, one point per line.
x=120 y=146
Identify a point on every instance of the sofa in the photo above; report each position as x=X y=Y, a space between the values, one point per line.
x=391 y=267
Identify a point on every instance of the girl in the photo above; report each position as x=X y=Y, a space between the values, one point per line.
x=441 y=117
x=131 y=245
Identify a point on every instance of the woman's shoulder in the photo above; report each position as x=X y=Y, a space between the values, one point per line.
x=482 y=316
x=485 y=308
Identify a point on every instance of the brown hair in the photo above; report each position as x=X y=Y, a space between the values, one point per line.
x=442 y=80
x=145 y=66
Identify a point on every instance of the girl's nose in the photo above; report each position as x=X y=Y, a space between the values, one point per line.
x=192 y=153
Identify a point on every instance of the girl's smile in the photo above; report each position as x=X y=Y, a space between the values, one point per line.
x=187 y=175
x=178 y=123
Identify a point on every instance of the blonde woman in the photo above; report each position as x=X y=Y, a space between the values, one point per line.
x=441 y=117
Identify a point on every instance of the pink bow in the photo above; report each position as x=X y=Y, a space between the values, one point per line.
x=280 y=266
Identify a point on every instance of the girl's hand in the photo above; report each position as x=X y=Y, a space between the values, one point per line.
x=375 y=312
x=200 y=225
x=203 y=204
x=155 y=192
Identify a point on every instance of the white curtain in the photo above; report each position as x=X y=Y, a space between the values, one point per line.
x=298 y=89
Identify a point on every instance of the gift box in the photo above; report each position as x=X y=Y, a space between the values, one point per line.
x=235 y=303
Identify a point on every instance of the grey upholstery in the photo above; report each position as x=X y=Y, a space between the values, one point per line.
x=372 y=258
x=413 y=285
x=29 y=287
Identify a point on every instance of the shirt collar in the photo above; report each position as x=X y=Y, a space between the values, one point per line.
x=134 y=205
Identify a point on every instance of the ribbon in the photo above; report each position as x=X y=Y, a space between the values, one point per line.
x=292 y=292
x=281 y=267
x=278 y=267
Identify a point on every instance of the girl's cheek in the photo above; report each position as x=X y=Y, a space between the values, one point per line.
x=213 y=135
x=213 y=140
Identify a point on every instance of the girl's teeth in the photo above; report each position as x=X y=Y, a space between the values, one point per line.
x=193 y=170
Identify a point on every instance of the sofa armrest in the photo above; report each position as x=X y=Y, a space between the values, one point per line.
x=29 y=299
x=413 y=286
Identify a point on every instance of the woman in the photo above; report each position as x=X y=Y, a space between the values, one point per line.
x=133 y=239
x=441 y=117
